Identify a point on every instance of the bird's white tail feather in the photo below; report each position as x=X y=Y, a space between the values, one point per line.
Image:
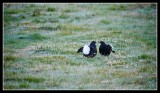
x=86 y=49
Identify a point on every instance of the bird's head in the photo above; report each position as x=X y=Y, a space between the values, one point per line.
x=93 y=42
x=101 y=42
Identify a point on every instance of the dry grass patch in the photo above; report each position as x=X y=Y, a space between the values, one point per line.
x=122 y=73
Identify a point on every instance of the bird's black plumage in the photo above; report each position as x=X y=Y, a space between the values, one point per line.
x=92 y=50
x=105 y=49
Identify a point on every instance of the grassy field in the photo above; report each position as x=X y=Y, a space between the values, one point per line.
x=41 y=42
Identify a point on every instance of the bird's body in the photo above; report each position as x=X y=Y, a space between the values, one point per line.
x=105 y=49
x=89 y=51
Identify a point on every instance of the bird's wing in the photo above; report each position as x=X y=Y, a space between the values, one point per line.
x=93 y=49
x=109 y=47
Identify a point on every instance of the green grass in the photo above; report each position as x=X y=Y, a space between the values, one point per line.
x=145 y=56
x=105 y=22
x=63 y=16
x=50 y=9
x=40 y=46
x=27 y=79
x=37 y=36
x=9 y=58
x=36 y=12
x=24 y=85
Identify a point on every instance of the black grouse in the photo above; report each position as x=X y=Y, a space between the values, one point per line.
x=89 y=51
x=105 y=49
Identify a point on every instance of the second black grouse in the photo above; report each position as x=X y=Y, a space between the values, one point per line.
x=105 y=49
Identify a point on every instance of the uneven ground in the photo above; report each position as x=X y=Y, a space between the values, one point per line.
x=41 y=41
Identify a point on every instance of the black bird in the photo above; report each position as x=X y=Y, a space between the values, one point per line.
x=89 y=51
x=105 y=49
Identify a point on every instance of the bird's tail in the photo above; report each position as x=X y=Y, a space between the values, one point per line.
x=79 y=50
x=113 y=51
